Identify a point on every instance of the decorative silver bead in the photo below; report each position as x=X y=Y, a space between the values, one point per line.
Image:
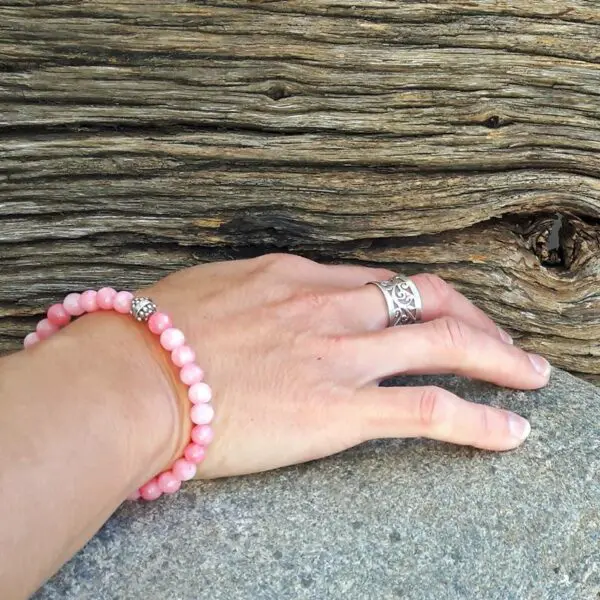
x=142 y=308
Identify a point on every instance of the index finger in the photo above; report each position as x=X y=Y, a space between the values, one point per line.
x=436 y=413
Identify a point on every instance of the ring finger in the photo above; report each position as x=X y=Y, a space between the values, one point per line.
x=364 y=308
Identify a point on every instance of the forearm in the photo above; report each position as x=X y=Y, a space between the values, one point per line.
x=86 y=417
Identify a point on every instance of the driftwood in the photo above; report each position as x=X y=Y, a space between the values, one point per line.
x=461 y=138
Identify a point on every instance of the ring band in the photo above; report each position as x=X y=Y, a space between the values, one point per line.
x=403 y=300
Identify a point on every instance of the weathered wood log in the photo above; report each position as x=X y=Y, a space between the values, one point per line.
x=461 y=138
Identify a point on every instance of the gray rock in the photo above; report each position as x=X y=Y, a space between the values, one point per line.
x=411 y=519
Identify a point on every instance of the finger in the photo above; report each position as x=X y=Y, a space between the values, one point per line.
x=443 y=300
x=351 y=276
x=445 y=345
x=293 y=267
x=367 y=311
x=436 y=413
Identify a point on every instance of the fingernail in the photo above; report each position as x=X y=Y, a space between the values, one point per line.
x=540 y=364
x=505 y=337
x=519 y=427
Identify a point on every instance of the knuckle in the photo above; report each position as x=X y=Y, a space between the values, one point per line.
x=310 y=301
x=336 y=343
x=281 y=261
x=323 y=348
x=486 y=423
x=440 y=287
x=431 y=408
x=453 y=332
x=382 y=274
x=271 y=260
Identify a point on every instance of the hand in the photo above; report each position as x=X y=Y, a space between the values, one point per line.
x=294 y=351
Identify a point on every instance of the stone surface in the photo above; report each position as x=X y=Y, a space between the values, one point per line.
x=411 y=519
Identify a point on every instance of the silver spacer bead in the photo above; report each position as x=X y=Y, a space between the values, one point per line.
x=142 y=308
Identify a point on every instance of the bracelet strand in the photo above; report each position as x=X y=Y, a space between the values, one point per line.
x=199 y=393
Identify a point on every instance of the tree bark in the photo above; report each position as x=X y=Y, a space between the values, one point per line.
x=460 y=138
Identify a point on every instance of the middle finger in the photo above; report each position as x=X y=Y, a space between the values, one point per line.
x=444 y=345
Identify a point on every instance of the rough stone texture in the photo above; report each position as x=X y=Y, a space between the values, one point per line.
x=411 y=519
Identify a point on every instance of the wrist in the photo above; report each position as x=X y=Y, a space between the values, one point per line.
x=130 y=374
x=88 y=416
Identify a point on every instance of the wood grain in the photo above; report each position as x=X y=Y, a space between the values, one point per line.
x=461 y=138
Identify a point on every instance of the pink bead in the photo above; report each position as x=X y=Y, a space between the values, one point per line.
x=168 y=483
x=171 y=338
x=183 y=469
x=58 y=315
x=158 y=322
x=106 y=297
x=182 y=355
x=191 y=373
x=134 y=495
x=122 y=303
x=71 y=304
x=194 y=453
x=200 y=393
x=45 y=329
x=202 y=434
x=89 y=301
x=202 y=414
x=31 y=339
x=150 y=490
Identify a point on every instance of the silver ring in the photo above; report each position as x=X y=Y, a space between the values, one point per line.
x=403 y=300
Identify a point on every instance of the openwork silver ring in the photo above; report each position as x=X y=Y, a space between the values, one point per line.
x=403 y=300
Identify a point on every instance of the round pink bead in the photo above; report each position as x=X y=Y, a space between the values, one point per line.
x=183 y=355
x=71 y=304
x=159 y=322
x=89 y=301
x=200 y=393
x=194 y=453
x=202 y=414
x=202 y=434
x=183 y=469
x=171 y=338
x=168 y=483
x=31 y=339
x=122 y=303
x=134 y=495
x=191 y=373
x=106 y=298
x=150 y=490
x=58 y=315
x=45 y=329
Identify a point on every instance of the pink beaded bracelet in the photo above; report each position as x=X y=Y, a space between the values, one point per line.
x=172 y=340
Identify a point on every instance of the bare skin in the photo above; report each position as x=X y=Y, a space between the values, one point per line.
x=294 y=352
